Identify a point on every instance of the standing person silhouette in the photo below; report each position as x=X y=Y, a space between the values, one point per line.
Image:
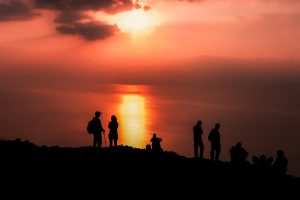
x=98 y=129
x=156 y=143
x=197 y=129
x=113 y=131
x=214 y=138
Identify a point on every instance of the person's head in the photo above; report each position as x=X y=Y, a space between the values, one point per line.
x=113 y=118
x=97 y=114
x=154 y=135
x=280 y=153
x=239 y=144
x=217 y=126
x=199 y=123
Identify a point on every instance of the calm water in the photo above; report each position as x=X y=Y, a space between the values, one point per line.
x=168 y=111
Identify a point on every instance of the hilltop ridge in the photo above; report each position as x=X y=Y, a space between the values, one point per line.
x=43 y=172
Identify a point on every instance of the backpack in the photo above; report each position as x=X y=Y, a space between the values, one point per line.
x=90 y=127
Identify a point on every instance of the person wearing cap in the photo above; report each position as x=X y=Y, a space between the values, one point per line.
x=197 y=129
x=98 y=129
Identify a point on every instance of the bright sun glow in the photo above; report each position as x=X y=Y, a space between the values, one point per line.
x=136 y=21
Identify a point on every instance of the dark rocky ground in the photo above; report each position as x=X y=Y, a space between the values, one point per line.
x=32 y=172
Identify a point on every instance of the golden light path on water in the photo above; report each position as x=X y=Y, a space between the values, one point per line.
x=133 y=124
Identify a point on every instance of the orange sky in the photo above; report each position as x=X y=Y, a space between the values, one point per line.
x=255 y=29
x=232 y=60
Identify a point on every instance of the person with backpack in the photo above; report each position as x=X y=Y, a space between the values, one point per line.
x=214 y=138
x=95 y=128
x=113 y=131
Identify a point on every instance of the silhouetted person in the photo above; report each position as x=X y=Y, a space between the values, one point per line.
x=214 y=138
x=197 y=129
x=281 y=163
x=238 y=154
x=113 y=131
x=156 y=143
x=97 y=130
x=148 y=148
x=262 y=163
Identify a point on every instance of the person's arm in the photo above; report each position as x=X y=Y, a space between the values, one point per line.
x=101 y=127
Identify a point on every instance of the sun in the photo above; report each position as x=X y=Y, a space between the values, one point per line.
x=136 y=21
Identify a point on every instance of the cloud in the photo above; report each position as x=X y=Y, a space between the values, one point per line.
x=15 y=10
x=110 y=6
x=70 y=17
x=71 y=14
x=91 y=31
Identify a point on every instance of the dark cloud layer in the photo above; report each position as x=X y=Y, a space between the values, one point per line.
x=110 y=6
x=15 y=10
x=71 y=15
x=90 y=31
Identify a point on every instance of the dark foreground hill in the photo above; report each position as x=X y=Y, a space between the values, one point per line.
x=32 y=172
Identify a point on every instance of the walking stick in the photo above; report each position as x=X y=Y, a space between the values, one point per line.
x=104 y=138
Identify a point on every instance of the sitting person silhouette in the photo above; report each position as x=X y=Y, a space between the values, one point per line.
x=238 y=154
x=148 y=148
x=280 y=164
x=156 y=143
x=262 y=162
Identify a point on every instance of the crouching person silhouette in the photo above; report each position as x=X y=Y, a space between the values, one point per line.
x=156 y=143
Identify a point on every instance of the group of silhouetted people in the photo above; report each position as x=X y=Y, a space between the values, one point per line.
x=98 y=130
x=113 y=125
x=279 y=165
x=237 y=153
x=213 y=137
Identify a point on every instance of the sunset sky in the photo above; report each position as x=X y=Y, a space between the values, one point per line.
x=159 y=65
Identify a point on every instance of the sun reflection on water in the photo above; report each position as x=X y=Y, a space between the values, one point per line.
x=133 y=117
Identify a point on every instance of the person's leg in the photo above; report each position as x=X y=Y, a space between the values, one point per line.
x=218 y=150
x=212 y=151
x=115 y=142
x=98 y=136
x=94 y=140
x=110 y=142
x=100 y=141
x=195 y=150
x=201 y=149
